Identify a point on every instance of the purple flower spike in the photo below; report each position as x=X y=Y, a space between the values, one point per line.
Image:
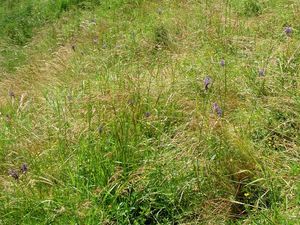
x=261 y=72
x=11 y=94
x=13 y=173
x=24 y=168
x=147 y=114
x=100 y=129
x=217 y=109
x=207 y=82
x=222 y=62
x=288 y=31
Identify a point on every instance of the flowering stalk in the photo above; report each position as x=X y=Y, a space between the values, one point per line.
x=223 y=65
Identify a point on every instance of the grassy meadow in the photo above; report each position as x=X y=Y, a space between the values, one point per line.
x=150 y=112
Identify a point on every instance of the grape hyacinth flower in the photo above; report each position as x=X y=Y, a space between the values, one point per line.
x=13 y=173
x=261 y=72
x=24 y=168
x=288 y=31
x=217 y=109
x=222 y=62
x=207 y=82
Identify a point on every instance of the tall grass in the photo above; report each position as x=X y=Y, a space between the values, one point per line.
x=110 y=114
x=20 y=20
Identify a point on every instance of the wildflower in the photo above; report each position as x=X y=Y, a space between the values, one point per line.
x=24 y=168
x=207 y=82
x=222 y=62
x=13 y=173
x=288 y=31
x=261 y=72
x=217 y=109
x=147 y=114
x=100 y=129
x=11 y=94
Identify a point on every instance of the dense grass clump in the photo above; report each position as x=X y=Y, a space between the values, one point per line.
x=20 y=21
x=149 y=112
x=252 y=7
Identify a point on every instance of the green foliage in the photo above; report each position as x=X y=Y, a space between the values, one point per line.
x=111 y=114
x=252 y=7
x=20 y=20
x=161 y=37
x=19 y=23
